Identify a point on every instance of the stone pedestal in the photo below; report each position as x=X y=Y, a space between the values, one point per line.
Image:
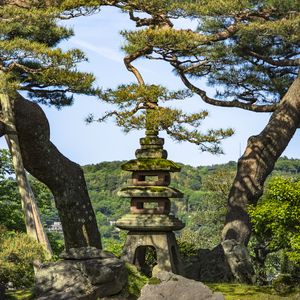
x=165 y=245
x=150 y=224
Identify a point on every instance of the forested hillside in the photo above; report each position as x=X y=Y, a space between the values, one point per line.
x=202 y=208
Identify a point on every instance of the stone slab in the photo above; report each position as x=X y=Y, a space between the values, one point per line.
x=149 y=192
x=174 y=287
x=144 y=222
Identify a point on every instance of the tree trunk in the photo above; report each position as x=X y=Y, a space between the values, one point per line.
x=64 y=178
x=34 y=226
x=257 y=163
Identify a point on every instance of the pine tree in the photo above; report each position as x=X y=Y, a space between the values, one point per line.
x=247 y=50
x=31 y=63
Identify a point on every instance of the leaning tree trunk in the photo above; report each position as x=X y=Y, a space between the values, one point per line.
x=254 y=166
x=64 y=177
x=34 y=226
x=257 y=163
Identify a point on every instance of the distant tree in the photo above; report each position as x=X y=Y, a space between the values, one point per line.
x=206 y=211
x=10 y=203
x=288 y=165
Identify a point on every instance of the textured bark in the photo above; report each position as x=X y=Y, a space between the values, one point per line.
x=64 y=178
x=258 y=161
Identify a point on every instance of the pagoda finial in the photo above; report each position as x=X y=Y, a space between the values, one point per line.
x=151 y=129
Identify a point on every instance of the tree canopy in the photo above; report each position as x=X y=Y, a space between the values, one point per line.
x=248 y=50
x=30 y=58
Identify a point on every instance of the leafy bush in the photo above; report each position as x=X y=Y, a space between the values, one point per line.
x=276 y=218
x=187 y=248
x=56 y=241
x=17 y=253
x=113 y=246
x=283 y=284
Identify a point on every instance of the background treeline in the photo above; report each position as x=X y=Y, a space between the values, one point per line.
x=203 y=207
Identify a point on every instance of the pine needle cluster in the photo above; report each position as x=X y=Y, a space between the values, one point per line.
x=30 y=58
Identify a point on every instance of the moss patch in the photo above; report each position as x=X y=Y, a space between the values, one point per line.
x=248 y=292
x=20 y=295
x=154 y=280
x=151 y=164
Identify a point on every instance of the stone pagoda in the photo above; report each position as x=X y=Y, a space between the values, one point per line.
x=149 y=223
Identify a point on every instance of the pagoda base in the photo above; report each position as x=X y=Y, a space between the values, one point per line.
x=164 y=244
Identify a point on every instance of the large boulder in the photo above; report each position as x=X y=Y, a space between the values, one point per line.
x=83 y=273
x=169 y=286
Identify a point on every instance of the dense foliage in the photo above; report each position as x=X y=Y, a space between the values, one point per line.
x=30 y=58
x=10 y=202
x=248 y=50
x=17 y=254
x=276 y=218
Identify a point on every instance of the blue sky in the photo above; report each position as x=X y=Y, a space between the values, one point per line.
x=98 y=36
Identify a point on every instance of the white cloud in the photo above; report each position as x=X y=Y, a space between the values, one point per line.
x=103 y=51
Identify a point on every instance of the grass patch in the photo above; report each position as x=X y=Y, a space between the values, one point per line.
x=249 y=292
x=20 y=295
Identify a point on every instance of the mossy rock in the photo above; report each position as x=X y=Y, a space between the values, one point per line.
x=154 y=280
x=151 y=164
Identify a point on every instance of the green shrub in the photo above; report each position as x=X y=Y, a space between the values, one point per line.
x=187 y=248
x=17 y=253
x=136 y=280
x=57 y=243
x=113 y=246
x=283 y=284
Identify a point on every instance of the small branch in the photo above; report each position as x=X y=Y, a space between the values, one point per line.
x=24 y=68
x=131 y=57
x=277 y=63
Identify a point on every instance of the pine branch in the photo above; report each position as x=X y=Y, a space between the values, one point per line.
x=215 y=102
x=278 y=63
